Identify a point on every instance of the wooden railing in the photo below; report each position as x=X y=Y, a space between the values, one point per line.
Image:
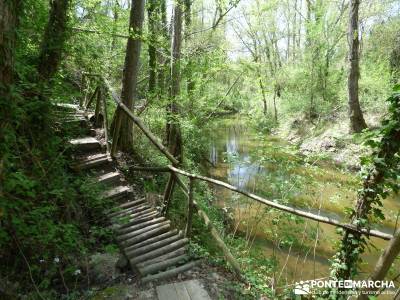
x=175 y=173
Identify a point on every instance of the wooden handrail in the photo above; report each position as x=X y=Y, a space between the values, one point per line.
x=140 y=124
x=285 y=208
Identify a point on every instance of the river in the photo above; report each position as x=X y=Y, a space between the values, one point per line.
x=267 y=166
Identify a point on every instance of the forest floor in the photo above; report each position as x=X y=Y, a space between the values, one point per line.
x=116 y=285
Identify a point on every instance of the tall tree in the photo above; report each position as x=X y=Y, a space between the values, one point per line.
x=357 y=122
x=124 y=125
x=173 y=130
x=174 y=137
x=152 y=24
x=8 y=22
x=54 y=39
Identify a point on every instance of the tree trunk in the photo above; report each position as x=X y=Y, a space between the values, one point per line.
x=173 y=130
x=152 y=24
x=123 y=124
x=357 y=122
x=162 y=60
x=115 y=19
x=265 y=108
x=54 y=39
x=174 y=137
x=385 y=261
x=8 y=23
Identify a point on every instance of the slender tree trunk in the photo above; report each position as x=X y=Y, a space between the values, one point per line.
x=152 y=24
x=115 y=20
x=190 y=64
x=54 y=39
x=123 y=124
x=385 y=261
x=162 y=60
x=357 y=122
x=265 y=108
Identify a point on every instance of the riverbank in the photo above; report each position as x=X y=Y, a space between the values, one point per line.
x=270 y=166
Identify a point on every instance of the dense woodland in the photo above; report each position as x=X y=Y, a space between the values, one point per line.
x=307 y=91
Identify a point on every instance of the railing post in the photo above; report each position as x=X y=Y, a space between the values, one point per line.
x=91 y=98
x=105 y=120
x=188 y=230
x=97 y=108
x=169 y=188
x=82 y=99
x=117 y=129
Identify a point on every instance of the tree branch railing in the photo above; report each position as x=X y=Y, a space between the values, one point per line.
x=104 y=87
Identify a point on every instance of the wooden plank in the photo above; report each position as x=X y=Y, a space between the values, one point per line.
x=196 y=291
x=172 y=272
x=129 y=211
x=140 y=225
x=160 y=251
x=153 y=240
x=181 y=291
x=167 y=292
x=285 y=208
x=108 y=178
x=152 y=246
x=146 y=235
x=162 y=265
x=169 y=255
x=144 y=217
x=132 y=203
x=130 y=235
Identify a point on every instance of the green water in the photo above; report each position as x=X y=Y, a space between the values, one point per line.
x=269 y=167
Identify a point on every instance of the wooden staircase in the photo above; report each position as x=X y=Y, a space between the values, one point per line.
x=152 y=247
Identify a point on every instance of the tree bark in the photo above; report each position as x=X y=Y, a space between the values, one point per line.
x=385 y=261
x=357 y=122
x=54 y=39
x=8 y=22
x=152 y=24
x=123 y=124
x=174 y=136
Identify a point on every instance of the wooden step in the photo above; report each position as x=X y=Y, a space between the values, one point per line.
x=144 y=249
x=117 y=192
x=152 y=240
x=67 y=107
x=108 y=178
x=132 y=203
x=132 y=217
x=169 y=255
x=129 y=211
x=132 y=234
x=146 y=235
x=124 y=231
x=162 y=265
x=158 y=252
x=92 y=163
x=85 y=144
x=172 y=272
x=146 y=216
